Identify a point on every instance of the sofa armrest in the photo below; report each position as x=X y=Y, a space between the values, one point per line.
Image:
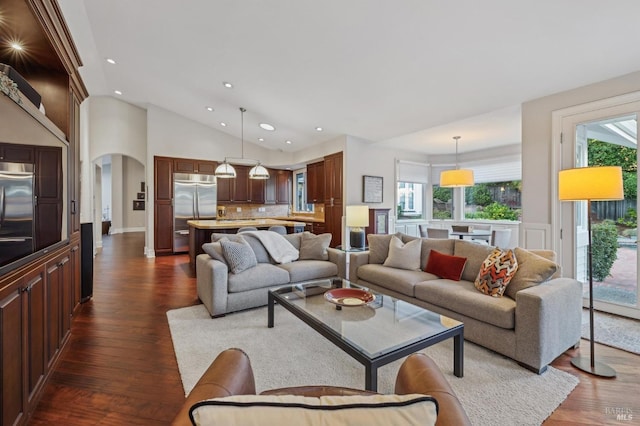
x=548 y=321
x=212 y=282
x=340 y=259
x=229 y=374
x=356 y=260
x=419 y=374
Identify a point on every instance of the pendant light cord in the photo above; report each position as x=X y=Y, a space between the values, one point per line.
x=242 y=111
x=456 y=138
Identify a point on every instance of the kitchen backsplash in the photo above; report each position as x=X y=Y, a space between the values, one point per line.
x=256 y=211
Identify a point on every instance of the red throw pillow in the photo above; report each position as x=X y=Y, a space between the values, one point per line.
x=445 y=265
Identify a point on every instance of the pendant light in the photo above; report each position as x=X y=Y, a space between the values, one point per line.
x=226 y=170
x=456 y=178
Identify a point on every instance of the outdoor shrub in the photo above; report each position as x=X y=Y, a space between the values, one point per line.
x=604 y=248
x=630 y=219
x=497 y=211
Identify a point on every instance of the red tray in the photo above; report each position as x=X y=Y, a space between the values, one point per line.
x=349 y=297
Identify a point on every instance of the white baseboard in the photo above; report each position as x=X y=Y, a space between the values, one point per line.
x=149 y=253
x=113 y=230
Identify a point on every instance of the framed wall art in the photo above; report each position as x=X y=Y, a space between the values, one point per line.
x=372 y=189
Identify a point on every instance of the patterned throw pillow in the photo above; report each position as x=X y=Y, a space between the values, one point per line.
x=496 y=272
x=239 y=255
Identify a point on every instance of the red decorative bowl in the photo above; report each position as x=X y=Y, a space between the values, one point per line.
x=349 y=297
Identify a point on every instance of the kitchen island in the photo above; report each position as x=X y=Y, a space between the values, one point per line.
x=200 y=231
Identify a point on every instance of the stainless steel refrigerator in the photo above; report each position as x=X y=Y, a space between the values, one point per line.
x=194 y=197
x=16 y=211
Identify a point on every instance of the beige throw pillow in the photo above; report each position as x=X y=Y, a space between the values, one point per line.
x=404 y=256
x=214 y=250
x=532 y=270
x=378 y=247
x=314 y=247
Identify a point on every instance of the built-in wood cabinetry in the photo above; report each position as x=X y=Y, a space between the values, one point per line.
x=203 y=167
x=39 y=295
x=378 y=221
x=315 y=183
x=333 y=201
x=163 y=205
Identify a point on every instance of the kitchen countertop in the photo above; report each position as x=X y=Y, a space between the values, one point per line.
x=307 y=219
x=231 y=224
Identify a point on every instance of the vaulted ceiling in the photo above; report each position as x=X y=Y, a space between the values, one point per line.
x=409 y=74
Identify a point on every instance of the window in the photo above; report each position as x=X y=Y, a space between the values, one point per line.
x=442 y=202
x=493 y=201
x=300 y=192
x=410 y=200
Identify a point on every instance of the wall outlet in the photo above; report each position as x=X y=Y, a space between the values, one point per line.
x=262 y=209
x=321 y=209
x=238 y=209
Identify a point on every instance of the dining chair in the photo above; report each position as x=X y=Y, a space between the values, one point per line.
x=501 y=238
x=247 y=228
x=483 y=239
x=279 y=229
x=437 y=233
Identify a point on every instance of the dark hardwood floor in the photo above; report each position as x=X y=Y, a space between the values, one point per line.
x=119 y=367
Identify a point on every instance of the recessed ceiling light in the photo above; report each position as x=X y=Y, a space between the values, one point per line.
x=16 y=46
x=227 y=85
x=267 y=126
x=223 y=124
x=111 y=61
x=117 y=92
x=288 y=142
x=319 y=129
x=260 y=139
x=209 y=109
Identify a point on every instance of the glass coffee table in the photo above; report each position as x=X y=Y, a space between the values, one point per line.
x=374 y=334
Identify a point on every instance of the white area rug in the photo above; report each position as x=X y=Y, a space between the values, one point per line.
x=494 y=390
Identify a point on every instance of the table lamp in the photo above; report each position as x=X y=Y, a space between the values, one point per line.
x=591 y=184
x=357 y=220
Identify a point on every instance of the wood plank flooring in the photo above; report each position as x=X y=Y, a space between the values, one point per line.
x=119 y=367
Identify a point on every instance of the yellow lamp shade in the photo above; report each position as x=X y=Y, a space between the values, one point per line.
x=357 y=216
x=456 y=178
x=590 y=183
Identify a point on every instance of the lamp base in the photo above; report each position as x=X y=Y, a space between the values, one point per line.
x=598 y=368
x=356 y=238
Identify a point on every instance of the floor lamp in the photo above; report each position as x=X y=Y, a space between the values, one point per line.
x=591 y=184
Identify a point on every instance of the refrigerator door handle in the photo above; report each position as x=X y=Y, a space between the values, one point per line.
x=2 y=207
x=196 y=213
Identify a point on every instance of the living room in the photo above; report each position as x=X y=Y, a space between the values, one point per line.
x=129 y=125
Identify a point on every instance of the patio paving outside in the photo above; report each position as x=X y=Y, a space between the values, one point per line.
x=621 y=286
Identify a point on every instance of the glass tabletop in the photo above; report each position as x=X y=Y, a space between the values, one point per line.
x=376 y=329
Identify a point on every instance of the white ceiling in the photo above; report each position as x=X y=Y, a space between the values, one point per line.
x=407 y=73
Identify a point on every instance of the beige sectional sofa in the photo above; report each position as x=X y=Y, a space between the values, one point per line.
x=237 y=270
x=536 y=319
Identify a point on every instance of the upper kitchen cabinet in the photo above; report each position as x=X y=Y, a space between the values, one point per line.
x=315 y=183
x=283 y=187
x=184 y=165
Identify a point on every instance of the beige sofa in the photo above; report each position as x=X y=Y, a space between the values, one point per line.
x=229 y=284
x=536 y=320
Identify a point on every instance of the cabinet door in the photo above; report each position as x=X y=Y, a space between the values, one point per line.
x=333 y=223
x=206 y=167
x=11 y=361
x=54 y=312
x=76 y=276
x=163 y=205
x=283 y=187
x=74 y=164
x=48 y=193
x=16 y=153
x=226 y=188
x=270 y=187
x=241 y=194
x=183 y=165
x=315 y=183
x=34 y=303
x=333 y=178
x=256 y=191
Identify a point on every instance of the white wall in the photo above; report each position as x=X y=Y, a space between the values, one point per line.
x=538 y=175
x=106 y=208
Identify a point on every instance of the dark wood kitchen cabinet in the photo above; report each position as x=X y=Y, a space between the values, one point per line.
x=315 y=183
x=333 y=204
x=203 y=167
x=48 y=196
x=163 y=205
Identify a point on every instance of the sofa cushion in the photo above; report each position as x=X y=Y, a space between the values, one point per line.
x=214 y=250
x=294 y=239
x=532 y=270
x=217 y=236
x=303 y=270
x=403 y=256
x=378 y=247
x=463 y=298
x=400 y=280
x=444 y=246
x=239 y=255
x=314 y=247
x=549 y=255
x=445 y=265
x=262 y=275
x=475 y=254
x=276 y=410
x=496 y=272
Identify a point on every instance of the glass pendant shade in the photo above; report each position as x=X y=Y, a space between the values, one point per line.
x=456 y=178
x=225 y=171
x=258 y=172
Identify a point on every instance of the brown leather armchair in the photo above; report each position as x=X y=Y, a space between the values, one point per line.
x=231 y=374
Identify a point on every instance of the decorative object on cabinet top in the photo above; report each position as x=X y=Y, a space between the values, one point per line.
x=9 y=87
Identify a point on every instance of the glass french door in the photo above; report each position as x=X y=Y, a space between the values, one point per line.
x=606 y=136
